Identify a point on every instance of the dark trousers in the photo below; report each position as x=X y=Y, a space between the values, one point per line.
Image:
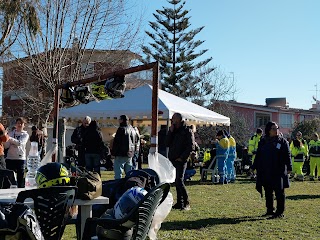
x=182 y=195
x=92 y=161
x=18 y=167
x=2 y=162
x=81 y=157
x=280 y=196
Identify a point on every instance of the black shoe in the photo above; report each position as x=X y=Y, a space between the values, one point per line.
x=268 y=214
x=277 y=215
x=177 y=206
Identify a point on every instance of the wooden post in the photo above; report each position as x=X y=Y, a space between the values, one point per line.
x=55 y=123
x=155 y=104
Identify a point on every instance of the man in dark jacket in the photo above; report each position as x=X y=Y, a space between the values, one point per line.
x=93 y=145
x=77 y=138
x=180 y=140
x=123 y=147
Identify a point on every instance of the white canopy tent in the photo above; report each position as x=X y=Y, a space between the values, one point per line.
x=137 y=104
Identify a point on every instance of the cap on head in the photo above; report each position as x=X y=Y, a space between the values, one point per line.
x=124 y=118
x=34 y=128
x=259 y=131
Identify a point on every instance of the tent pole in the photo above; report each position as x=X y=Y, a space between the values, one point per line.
x=155 y=105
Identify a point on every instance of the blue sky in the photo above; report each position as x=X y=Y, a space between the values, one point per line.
x=273 y=47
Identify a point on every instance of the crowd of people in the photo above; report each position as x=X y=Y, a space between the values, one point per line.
x=273 y=159
x=125 y=148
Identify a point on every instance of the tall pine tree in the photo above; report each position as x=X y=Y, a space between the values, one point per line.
x=174 y=47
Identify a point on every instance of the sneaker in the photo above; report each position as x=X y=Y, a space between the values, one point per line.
x=186 y=208
x=177 y=206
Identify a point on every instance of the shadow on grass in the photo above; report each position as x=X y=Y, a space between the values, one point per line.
x=201 y=223
x=241 y=179
x=302 y=197
x=192 y=183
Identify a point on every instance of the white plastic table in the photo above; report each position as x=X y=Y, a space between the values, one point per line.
x=85 y=206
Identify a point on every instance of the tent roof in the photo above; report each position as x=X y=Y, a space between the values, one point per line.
x=137 y=104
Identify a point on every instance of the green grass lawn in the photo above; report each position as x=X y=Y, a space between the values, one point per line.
x=233 y=212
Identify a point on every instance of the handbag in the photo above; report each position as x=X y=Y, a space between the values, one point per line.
x=18 y=222
x=89 y=184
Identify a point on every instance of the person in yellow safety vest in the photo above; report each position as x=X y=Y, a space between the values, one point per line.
x=222 y=151
x=206 y=155
x=252 y=149
x=253 y=144
x=314 y=154
x=305 y=144
x=298 y=153
x=206 y=159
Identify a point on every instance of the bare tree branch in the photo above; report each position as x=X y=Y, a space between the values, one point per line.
x=75 y=34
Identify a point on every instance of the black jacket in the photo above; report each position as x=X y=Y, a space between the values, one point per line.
x=272 y=162
x=124 y=142
x=180 y=142
x=92 y=140
x=77 y=135
x=162 y=140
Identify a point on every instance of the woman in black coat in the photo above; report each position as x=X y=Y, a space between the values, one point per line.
x=273 y=164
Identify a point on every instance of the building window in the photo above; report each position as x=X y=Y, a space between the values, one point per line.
x=261 y=119
x=286 y=120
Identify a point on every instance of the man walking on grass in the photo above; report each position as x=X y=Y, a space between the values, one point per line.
x=180 y=140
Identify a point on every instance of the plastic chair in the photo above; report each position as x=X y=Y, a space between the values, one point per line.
x=212 y=169
x=51 y=206
x=139 y=218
